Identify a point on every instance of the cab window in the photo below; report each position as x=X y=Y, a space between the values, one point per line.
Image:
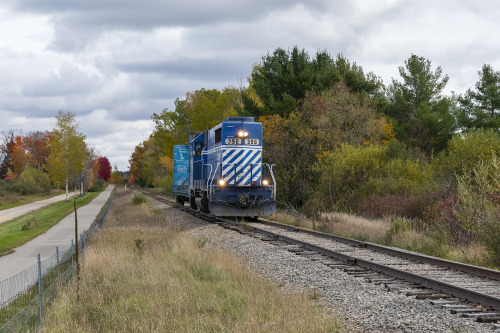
x=198 y=147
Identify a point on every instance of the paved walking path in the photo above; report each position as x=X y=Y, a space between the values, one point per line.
x=59 y=235
x=12 y=213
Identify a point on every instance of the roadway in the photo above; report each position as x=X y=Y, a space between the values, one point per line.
x=12 y=213
x=59 y=235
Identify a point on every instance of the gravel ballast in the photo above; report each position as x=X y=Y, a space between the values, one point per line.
x=366 y=307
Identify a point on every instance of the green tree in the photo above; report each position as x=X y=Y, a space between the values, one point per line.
x=171 y=128
x=252 y=104
x=200 y=110
x=478 y=208
x=481 y=108
x=467 y=148
x=282 y=80
x=117 y=175
x=422 y=116
x=36 y=179
x=68 y=150
x=207 y=108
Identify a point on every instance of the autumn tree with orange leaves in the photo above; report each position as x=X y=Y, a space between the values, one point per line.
x=37 y=145
x=19 y=155
x=20 y=150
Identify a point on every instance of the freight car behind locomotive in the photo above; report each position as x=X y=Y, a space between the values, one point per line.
x=221 y=171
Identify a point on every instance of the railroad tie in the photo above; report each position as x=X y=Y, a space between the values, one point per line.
x=464 y=311
x=486 y=319
x=477 y=315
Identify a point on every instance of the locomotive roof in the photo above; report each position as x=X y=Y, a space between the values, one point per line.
x=240 y=119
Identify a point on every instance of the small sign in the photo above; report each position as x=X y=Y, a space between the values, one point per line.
x=233 y=141
x=252 y=142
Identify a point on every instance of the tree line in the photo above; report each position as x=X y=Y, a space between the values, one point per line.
x=40 y=160
x=343 y=140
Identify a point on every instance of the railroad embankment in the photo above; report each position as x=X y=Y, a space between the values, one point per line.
x=398 y=232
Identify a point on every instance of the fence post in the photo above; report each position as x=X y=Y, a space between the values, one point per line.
x=84 y=247
x=72 y=256
x=40 y=287
x=58 y=266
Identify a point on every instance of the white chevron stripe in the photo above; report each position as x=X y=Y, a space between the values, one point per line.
x=245 y=152
x=257 y=176
x=234 y=169
x=237 y=150
x=239 y=161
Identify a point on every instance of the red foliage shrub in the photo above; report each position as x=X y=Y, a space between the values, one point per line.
x=442 y=213
x=104 y=168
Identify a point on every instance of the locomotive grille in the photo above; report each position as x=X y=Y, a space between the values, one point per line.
x=242 y=166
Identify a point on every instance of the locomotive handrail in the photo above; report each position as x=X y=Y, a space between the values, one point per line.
x=274 y=180
x=212 y=181
x=210 y=165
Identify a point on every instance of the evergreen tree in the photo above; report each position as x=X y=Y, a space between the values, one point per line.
x=282 y=80
x=481 y=108
x=421 y=115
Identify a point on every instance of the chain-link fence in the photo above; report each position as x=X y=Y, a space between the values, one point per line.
x=25 y=295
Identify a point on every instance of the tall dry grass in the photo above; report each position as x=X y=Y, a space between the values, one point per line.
x=355 y=226
x=142 y=276
x=397 y=231
x=340 y=224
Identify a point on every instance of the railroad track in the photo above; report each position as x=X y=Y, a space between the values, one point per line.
x=466 y=290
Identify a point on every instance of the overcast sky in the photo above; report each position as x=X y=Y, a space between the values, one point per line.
x=114 y=63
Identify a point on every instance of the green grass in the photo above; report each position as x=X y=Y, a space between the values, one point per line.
x=139 y=199
x=12 y=234
x=12 y=200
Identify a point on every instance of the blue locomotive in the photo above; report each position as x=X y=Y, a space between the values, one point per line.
x=221 y=171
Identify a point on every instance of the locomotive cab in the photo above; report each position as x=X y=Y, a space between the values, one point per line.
x=227 y=176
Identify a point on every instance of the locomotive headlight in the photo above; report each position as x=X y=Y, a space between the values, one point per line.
x=265 y=182
x=242 y=134
x=222 y=182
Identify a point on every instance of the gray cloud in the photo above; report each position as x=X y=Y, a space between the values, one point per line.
x=70 y=80
x=78 y=23
x=148 y=14
x=216 y=69
x=115 y=63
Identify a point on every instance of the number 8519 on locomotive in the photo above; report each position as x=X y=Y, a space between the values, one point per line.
x=221 y=172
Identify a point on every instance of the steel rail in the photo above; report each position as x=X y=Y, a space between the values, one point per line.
x=442 y=287
x=470 y=269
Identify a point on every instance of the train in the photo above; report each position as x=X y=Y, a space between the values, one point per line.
x=220 y=171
